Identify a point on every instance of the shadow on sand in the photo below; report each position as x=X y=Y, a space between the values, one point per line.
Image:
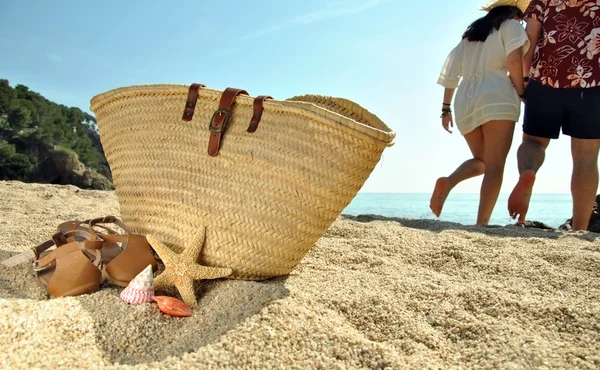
x=222 y=306
x=137 y=334
x=508 y=231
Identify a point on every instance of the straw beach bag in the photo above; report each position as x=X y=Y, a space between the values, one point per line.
x=264 y=178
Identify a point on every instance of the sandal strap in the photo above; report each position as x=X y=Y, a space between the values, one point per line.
x=58 y=239
x=43 y=247
x=108 y=220
x=81 y=225
x=92 y=245
x=110 y=231
x=49 y=260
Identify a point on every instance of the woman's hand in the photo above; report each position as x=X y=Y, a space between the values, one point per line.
x=447 y=122
x=525 y=83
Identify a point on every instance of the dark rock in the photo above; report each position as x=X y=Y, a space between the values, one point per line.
x=567 y=226
x=535 y=225
x=70 y=170
x=594 y=225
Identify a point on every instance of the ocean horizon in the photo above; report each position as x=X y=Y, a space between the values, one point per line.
x=551 y=209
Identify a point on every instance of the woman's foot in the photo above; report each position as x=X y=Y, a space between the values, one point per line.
x=440 y=193
x=518 y=202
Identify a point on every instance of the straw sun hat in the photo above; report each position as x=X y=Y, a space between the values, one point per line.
x=521 y=4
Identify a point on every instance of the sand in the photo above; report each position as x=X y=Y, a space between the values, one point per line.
x=372 y=293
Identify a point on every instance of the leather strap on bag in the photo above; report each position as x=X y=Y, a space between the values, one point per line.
x=190 y=104
x=257 y=113
x=220 y=119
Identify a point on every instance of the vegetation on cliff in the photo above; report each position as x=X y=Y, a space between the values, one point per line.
x=34 y=132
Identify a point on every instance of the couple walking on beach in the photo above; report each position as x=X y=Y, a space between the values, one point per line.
x=553 y=67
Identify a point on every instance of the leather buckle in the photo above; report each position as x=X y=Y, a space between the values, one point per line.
x=225 y=120
x=220 y=119
x=36 y=268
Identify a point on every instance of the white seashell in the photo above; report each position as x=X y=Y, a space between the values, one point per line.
x=140 y=289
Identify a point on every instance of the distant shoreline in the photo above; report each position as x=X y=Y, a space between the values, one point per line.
x=551 y=209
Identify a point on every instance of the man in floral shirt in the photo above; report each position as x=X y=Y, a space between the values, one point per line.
x=563 y=92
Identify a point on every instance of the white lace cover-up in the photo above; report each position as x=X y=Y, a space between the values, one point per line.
x=485 y=92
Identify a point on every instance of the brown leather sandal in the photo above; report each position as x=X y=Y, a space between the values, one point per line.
x=124 y=256
x=72 y=268
x=79 y=225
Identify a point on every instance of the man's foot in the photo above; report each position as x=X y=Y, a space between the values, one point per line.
x=440 y=193
x=518 y=202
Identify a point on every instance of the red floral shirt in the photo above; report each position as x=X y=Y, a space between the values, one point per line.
x=568 y=52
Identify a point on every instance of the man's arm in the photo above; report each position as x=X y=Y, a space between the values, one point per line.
x=534 y=30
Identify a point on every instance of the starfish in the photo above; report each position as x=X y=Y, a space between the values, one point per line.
x=181 y=269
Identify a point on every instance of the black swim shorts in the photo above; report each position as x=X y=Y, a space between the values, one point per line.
x=575 y=110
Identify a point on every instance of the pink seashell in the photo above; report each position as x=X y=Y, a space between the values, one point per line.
x=140 y=289
x=172 y=306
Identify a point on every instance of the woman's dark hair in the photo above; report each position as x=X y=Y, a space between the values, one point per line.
x=481 y=28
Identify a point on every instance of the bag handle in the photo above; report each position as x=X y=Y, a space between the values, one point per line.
x=190 y=104
x=220 y=119
x=257 y=113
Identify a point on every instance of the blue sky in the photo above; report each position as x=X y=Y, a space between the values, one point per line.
x=383 y=54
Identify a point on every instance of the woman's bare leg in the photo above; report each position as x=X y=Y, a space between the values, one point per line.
x=468 y=169
x=497 y=138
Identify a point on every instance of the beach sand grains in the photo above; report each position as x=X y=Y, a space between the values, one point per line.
x=373 y=293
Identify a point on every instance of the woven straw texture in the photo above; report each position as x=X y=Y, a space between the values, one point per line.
x=265 y=199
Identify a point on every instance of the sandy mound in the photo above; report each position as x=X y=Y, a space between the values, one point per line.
x=373 y=293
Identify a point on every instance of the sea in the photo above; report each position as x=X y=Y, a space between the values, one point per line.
x=551 y=209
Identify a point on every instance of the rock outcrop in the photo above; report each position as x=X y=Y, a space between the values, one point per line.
x=594 y=225
x=536 y=225
x=69 y=170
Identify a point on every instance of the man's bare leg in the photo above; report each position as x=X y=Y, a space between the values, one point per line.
x=530 y=157
x=584 y=180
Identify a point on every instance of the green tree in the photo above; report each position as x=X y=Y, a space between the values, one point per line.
x=31 y=126
x=18 y=167
x=19 y=117
x=13 y=165
x=6 y=150
x=7 y=95
x=22 y=91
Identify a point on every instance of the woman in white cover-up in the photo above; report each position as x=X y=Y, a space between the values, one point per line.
x=485 y=70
